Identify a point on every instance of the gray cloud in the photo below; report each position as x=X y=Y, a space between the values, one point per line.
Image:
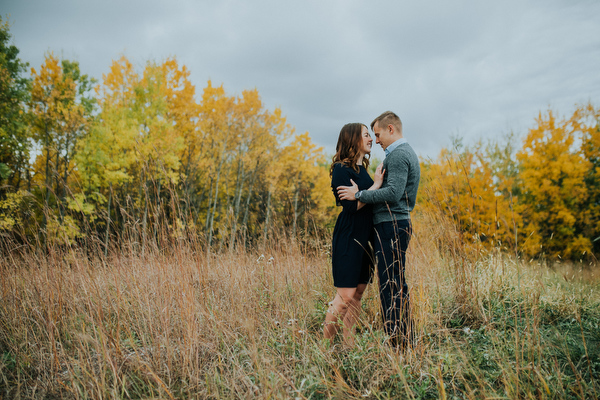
x=466 y=68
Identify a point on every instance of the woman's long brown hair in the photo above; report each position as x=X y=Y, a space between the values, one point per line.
x=347 y=150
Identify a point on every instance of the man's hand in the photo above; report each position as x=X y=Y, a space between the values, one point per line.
x=347 y=192
x=378 y=180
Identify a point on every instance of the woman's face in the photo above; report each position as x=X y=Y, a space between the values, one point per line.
x=366 y=142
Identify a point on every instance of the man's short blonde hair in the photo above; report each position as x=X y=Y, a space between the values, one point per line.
x=386 y=119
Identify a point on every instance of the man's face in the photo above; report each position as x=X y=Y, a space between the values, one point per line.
x=383 y=136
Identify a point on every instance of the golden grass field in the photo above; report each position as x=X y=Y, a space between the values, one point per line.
x=180 y=322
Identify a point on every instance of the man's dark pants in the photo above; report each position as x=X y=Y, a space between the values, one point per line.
x=390 y=244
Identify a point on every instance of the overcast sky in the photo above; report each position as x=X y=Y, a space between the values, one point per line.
x=475 y=69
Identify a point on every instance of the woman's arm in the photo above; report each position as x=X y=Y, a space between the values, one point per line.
x=341 y=177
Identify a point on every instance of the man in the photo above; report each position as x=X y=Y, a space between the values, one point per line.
x=392 y=204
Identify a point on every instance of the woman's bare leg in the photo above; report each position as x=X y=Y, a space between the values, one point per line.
x=337 y=311
x=352 y=314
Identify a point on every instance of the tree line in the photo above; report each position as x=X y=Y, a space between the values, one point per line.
x=537 y=197
x=140 y=156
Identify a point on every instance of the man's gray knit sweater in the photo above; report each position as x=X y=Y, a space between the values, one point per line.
x=398 y=193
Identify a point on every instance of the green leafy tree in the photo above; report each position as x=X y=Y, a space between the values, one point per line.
x=14 y=93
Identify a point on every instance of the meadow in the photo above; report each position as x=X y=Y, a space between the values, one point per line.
x=160 y=240
x=176 y=321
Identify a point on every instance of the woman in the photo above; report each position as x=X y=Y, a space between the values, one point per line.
x=350 y=251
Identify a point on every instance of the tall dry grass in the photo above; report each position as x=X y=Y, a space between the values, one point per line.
x=181 y=322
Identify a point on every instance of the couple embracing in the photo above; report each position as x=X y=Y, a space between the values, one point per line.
x=375 y=214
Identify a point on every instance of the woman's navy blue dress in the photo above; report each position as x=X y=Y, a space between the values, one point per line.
x=351 y=256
